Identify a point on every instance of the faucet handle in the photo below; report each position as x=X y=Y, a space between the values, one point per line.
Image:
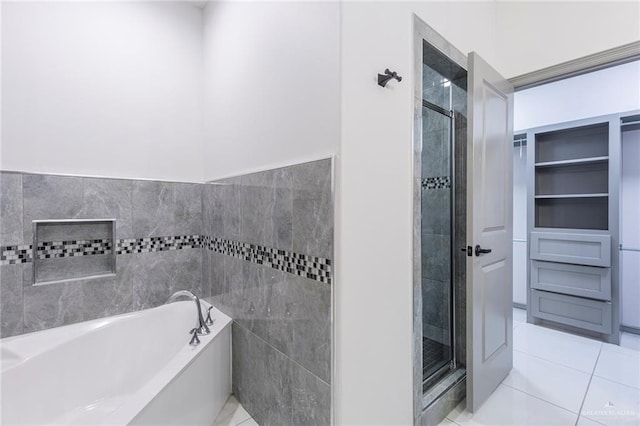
x=195 y=341
x=209 y=321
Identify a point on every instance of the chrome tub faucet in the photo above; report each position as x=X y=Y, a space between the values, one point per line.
x=201 y=327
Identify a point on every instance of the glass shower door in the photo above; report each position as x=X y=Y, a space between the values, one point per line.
x=436 y=214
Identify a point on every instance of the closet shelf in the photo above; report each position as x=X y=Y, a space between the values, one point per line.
x=573 y=161
x=593 y=195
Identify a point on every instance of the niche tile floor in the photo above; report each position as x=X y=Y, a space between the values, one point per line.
x=557 y=379
x=562 y=379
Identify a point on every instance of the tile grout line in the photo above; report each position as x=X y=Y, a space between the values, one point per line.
x=584 y=398
x=282 y=353
x=540 y=399
x=553 y=362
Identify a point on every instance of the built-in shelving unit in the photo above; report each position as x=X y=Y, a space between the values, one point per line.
x=572 y=177
x=573 y=226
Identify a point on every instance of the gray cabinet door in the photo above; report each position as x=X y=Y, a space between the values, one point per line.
x=579 y=249
x=578 y=280
x=489 y=225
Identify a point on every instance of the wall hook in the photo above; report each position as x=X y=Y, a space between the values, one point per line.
x=383 y=79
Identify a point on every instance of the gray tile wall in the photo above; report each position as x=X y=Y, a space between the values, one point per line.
x=282 y=322
x=436 y=226
x=143 y=280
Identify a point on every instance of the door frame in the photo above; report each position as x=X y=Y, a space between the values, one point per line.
x=422 y=32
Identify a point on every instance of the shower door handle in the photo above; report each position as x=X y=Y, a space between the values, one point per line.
x=480 y=250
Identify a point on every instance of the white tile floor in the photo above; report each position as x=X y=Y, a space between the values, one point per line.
x=562 y=379
x=557 y=379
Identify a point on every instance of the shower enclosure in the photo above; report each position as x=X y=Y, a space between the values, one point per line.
x=463 y=143
x=442 y=214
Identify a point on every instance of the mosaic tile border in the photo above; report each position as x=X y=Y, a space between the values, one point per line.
x=153 y=244
x=311 y=267
x=302 y=265
x=13 y=255
x=439 y=182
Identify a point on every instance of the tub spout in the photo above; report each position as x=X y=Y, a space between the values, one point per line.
x=201 y=327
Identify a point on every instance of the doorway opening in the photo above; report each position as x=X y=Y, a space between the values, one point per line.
x=443 y=222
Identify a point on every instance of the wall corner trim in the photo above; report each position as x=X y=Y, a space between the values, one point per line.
x=605 y=59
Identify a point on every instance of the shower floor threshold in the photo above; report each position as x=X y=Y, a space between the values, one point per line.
x=443 y=386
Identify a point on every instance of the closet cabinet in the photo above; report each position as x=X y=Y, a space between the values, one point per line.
x=573 y=171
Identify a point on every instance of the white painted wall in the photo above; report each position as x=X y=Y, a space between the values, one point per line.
x=373 y=383
x=607 y=91
x=102 y=88
x=536 y=34
x=272 y=83
x=374 y=299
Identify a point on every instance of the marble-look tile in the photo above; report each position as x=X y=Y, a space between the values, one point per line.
x=436 y=211
x=256 y=208
x=311 y=399
x=436 y=257
x=435 y=309
x=216 y=273
x=459 y=99
x=205 y=272
x=11 y=229
x=266 y=310
x=188 y=209
x=103 y=297
x=52 y=305
x=282 y=218
x=262 y=378
x=157 y=275
x=50 y=197
x=310 y=314
x=435 y=144
x=213 y=207
x=313 y=209
x=74 y=231
x=68 y=268
x=11 y=300
x=151 y=279
x=153 y=209
x=249 y=422
x=228 y=200
x=110 y=199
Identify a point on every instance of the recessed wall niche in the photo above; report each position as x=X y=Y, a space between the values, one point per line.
x=66 y=250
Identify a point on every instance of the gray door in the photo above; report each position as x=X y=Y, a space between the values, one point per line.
x=489 y=227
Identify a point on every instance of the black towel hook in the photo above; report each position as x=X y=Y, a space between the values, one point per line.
x=383 y=79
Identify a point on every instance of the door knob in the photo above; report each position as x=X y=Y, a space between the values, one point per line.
x=480 y=250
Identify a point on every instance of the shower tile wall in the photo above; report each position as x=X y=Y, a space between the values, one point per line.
x=436 y=228
x=282 y=321
x=436 y=201
x=141 y=209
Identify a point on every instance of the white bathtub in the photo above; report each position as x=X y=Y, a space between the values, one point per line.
x=136 y=368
